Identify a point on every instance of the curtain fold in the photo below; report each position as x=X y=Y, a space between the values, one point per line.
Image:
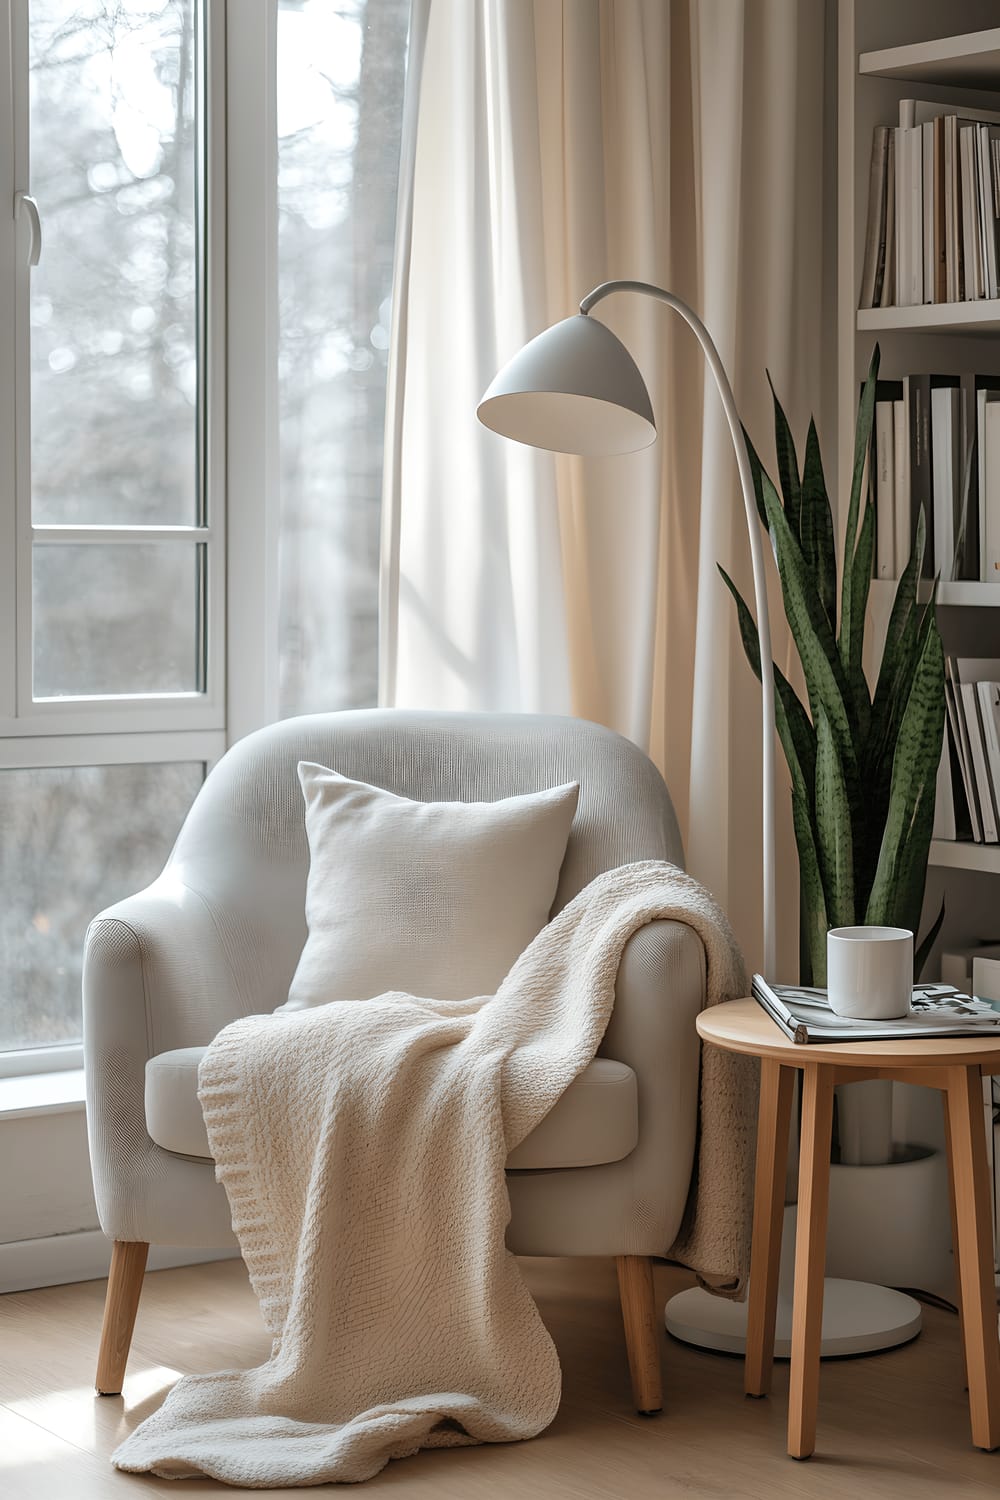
x=553 y=146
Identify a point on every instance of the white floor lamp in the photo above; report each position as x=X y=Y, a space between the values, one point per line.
x=576 y=389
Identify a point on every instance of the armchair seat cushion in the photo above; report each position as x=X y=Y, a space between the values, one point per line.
x=595 y=1121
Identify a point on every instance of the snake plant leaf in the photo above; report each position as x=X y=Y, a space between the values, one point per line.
x=816 y=527
x=922 y=953
x=903 y=606
x=878 y=756
x=832 y=819
x=757 y=470
x=862 y=446
x=826 y=684
x=788 y=464
x=855 y=630
x=813 y=920
x=898 y=889
x=798 y=738
x=901 y=654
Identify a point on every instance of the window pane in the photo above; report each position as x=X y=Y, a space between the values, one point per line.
x=71 y=842
x=341 y=66
x=117 y=618
x=114 y=384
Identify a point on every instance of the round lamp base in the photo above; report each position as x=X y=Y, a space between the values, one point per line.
x=858 y=1318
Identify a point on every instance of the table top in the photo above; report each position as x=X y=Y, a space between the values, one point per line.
x=744 y=1026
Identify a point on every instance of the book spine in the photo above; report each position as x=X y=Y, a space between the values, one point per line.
x=953 y=239
x=887 y=296
x=967 y=525
x=989 y=490
x=940 y=227
x=885 y=496
x=915 y=190
x=944 y=446
x=972 y=266
x=873 y=271
x=901 y=486
x=917 y=394
x=904 y=256
x=956 y=719
x=987 y=693
x=927 y=209
x=969 y=704
x=988 y=238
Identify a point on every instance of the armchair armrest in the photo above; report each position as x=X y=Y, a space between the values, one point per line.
x=156 y=975
x=660 y=990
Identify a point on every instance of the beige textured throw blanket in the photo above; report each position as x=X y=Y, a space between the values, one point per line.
x=362 y=1147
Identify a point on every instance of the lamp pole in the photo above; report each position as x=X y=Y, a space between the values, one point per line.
x=718 y=369
x=576 y=389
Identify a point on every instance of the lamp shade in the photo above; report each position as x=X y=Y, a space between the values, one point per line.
x=575 y=389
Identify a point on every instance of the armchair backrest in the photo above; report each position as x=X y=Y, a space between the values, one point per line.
x=243 y=847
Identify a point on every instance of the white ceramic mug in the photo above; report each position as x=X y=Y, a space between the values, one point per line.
x=869 y=972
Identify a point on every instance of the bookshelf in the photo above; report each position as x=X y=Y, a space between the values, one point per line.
x=946 y=855
x=890 y=50
x=937 y=317
x=965 y=592
x=970 y=61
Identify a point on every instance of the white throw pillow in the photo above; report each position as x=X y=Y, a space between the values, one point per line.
x=434 y=898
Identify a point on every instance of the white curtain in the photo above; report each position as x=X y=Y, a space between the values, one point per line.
x=551 y=145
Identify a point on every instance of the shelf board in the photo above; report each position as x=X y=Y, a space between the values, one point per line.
x=966 y=592
x=971 y=61
x=956 y=317
x=960 y=855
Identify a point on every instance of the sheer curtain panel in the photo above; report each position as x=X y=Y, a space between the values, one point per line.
x=548 y=147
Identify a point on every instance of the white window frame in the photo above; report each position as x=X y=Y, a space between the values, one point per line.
x=20 y=714
x=240 y=454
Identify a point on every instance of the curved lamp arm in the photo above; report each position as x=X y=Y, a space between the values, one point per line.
x=759 y=581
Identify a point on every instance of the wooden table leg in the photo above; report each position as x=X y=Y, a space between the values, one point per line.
x=810 y=1257
x=954 y=1237
x=776 y=1087
x=974 y=1250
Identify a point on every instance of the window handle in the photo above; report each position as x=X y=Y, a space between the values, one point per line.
x=26 y=202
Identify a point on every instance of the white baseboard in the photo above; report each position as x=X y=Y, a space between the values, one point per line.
x=85 y=1256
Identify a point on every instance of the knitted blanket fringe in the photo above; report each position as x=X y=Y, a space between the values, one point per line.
x=362 y=1147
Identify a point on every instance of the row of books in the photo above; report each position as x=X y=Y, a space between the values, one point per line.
x=968 y=787
x=933 y=207
x=936 y=444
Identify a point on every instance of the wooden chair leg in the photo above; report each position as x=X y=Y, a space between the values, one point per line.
x=128 y=1264
x=635 y=1288
x=776 y=1087
x=974 y=1233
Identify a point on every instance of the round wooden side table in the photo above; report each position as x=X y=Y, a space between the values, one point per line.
x=953 y=1064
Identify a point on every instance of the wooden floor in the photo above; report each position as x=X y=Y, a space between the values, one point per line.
x=890 y=1425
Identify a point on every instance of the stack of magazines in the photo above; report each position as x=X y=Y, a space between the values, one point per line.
x=935 y=1010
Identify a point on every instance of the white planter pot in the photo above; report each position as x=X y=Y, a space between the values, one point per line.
x=891 y=1223
x=864 y=1123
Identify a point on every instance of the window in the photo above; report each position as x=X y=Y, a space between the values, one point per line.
x=128 y=380
x=73 y=840
x=111 y=698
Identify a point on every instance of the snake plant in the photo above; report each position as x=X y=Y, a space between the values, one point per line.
x=863 y=766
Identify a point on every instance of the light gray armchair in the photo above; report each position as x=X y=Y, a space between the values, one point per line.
x=218 y=936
